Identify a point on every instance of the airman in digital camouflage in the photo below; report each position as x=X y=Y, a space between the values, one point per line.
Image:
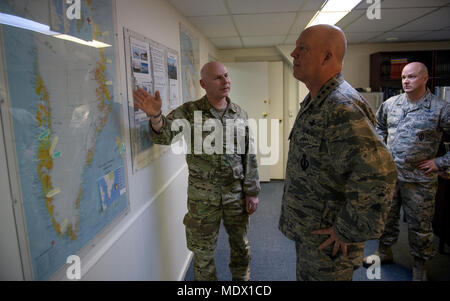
x=340 y=178
x=412 y=125
x=223 y=184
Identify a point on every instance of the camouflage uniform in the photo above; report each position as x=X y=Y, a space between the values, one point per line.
x=339 y=174
x=413 y=132
x=217 y=187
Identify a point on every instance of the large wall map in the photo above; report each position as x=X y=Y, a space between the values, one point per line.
x=66 y=125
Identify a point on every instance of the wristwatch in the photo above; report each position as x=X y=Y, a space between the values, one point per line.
x=154 y=117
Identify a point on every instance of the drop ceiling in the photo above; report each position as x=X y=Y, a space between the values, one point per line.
x=233 y=24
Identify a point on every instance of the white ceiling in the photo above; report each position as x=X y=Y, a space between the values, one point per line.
x=233 y=24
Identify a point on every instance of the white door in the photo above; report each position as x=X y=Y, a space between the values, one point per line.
x=254 y=87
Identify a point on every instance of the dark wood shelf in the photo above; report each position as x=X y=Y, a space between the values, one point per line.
x=437 y=62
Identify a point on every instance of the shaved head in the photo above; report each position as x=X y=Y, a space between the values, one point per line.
x=419 y=67
x=208 y=68
x=329 y=38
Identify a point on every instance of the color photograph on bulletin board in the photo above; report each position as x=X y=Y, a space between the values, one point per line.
x=61 y=78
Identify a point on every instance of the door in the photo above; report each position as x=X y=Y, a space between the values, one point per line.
x=257 y=87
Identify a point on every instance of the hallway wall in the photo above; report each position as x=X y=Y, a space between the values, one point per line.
x=149 y=242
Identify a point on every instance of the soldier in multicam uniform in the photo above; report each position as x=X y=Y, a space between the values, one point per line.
x=221 y=185
x=412 y=124
x=340 y=178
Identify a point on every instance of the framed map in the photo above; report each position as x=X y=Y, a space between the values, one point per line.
x=190 y=65
x=60 y=71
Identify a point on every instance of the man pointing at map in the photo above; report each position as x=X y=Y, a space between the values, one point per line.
x=222 y=185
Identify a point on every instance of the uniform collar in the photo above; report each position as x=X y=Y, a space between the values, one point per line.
x=206 y=105
x=324 y=91
x=423 y=102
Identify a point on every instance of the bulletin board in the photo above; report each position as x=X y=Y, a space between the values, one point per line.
x=153 y=67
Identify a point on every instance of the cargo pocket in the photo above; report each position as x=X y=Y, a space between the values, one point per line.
x=201 y=234
x=236 y=165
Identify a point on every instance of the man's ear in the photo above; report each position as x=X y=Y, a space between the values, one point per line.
x=202 y=83
x=328 y=56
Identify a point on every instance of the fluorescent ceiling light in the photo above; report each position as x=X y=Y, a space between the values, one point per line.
x=330 y=18
x=25 y=24
x=340 y=5
x=45 y=29
x=92 y=43
x=333 y=11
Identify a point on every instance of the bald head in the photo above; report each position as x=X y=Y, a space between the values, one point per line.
x=329 y=39
x=420 y=68
x=209 y=68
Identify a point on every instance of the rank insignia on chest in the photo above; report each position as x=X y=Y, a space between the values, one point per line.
x=304 y=163
x=421 y=136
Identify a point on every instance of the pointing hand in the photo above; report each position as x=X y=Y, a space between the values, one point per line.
x=143 y=100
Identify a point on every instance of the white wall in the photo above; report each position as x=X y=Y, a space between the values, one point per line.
x=149 y=242
x=265 y=54
x=153 y=244
x=10 y=263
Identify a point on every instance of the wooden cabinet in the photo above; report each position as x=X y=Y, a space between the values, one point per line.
x=385 y=69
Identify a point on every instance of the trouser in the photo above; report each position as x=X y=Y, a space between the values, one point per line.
x=202 y=230
x=418 y=201
x=319 y=265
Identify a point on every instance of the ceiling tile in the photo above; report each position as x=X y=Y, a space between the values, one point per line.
x=435 y=36
x=434 y=21
x=390 y=19
x=302 y=20
x=227 y=43
x=413 y=3
x=192 y=8
x=312 y=5
x=350 y=18
x=263 y=41
x=363 y=5
x=215 y=26
x=401 y=36
x=359 y=37
x=263 y=6
x=267 y=24
x=291 y=40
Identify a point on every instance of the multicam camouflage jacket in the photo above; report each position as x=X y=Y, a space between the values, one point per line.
x=226 y=173
x=339 y=174
x=413 y=132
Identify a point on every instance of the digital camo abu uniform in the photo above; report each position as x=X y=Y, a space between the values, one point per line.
x=413 y=132
x=217 y=186
x=339 y=174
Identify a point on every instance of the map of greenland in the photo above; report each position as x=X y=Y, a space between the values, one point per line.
x=111 y=187
x=70 y=120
